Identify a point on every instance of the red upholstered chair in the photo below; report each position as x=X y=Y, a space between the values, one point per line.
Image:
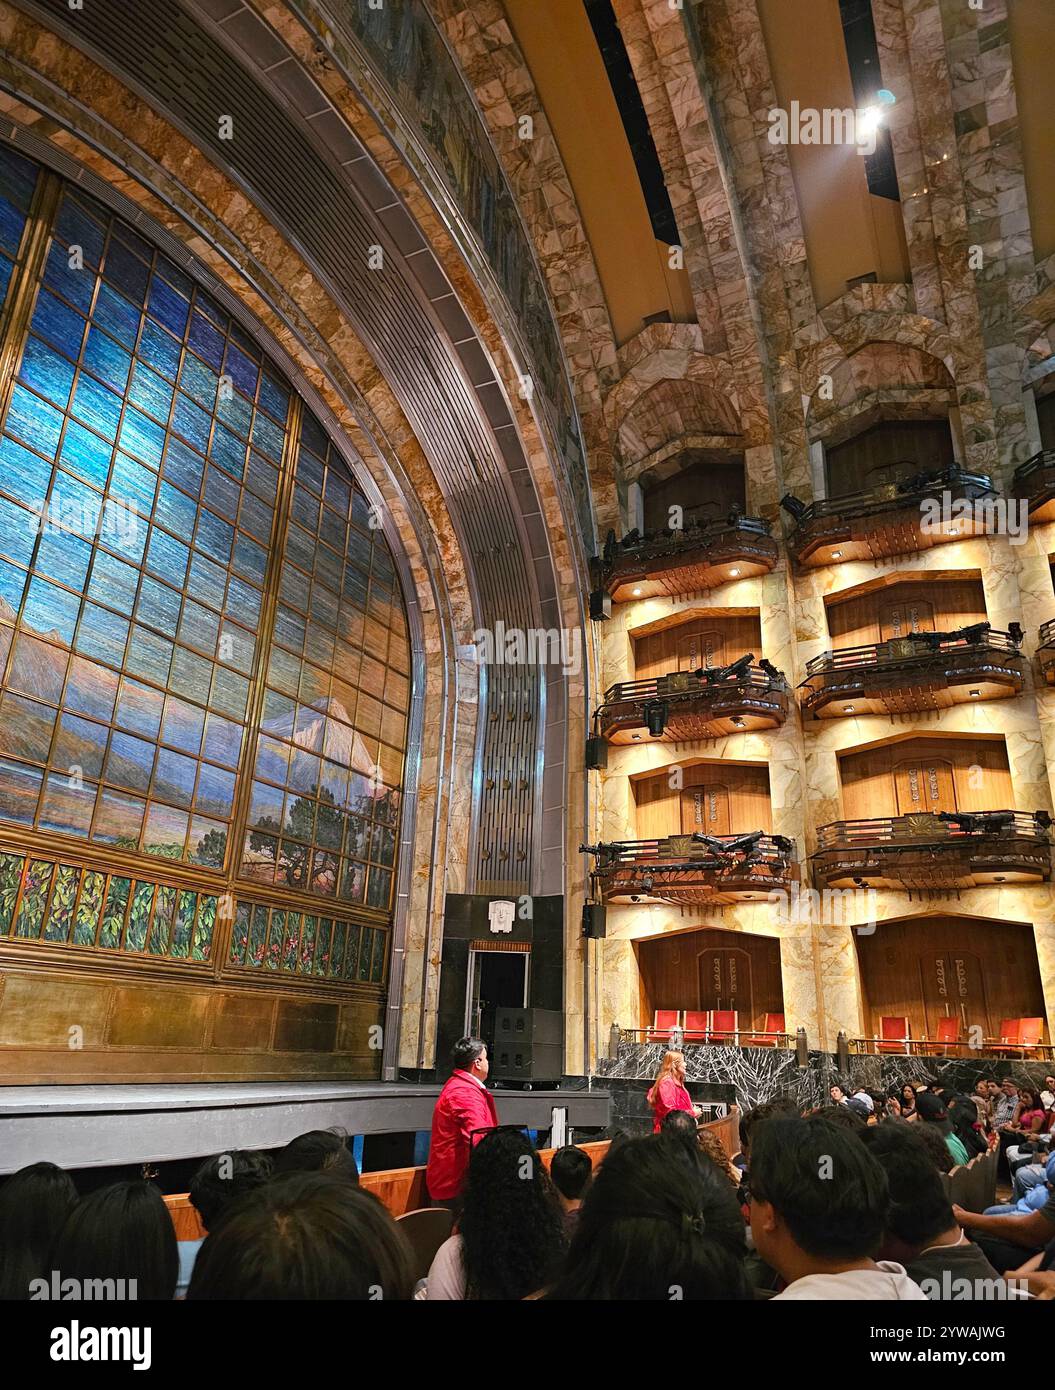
x=947 y=1037
x=1007 y=1038
x=696 y=1025
x=773 y=1025
x=724 y=1026
x=1030 y=1033
x=893 y=1034
x=664 y=1021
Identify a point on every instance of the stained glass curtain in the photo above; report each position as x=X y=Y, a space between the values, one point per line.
x=203 y=649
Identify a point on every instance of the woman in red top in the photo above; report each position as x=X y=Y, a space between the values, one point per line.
x=668 y=1091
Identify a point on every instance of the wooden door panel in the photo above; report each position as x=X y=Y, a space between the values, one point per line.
x=701 y=648
x=705 y=809
x=902 y=617
x=725 y=979
x=953 y=985
x=924 y=785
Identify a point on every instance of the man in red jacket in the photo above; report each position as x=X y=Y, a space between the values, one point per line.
x=464 y=1105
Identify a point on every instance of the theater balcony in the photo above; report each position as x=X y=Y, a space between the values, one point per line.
x=1046 y=650
x=914 y=514
x=700 y=556
x=695 y=704
x=689 y=870
x=927 y=850
x=1035 y=482
x=915 y=674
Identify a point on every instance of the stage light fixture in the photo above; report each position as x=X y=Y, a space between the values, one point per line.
x=656 y=712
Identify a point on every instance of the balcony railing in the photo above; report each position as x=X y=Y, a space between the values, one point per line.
x=919 y=512
x=695 y=704
x=700 y=556
x=1035 y=481
x=692 y=869
x=935 y=850
x=1046 y=650
x=923 y=671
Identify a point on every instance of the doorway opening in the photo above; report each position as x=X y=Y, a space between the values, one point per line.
x=497 y=980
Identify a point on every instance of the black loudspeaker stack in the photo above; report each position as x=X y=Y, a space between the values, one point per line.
x=529 y=1045
x=594 y=920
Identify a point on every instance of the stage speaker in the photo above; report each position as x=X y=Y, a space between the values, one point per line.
x=600 y=605
x=529 y=1045
x=594 y=918
x=596 y=754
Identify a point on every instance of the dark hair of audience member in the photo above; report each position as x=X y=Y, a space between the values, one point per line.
x=511 y=1225
x=934 y=1142
x=465 y=1052
x=317 y=1151
x=570 y=1169
x=34 y=1204
x=304 y=1236
x=657 y=1217
x=223 y=1179
x=121 y=1232
x=829 y=1191
x=918 y=1210
x=750 y=1118
x=713 y=1150
x=845 y=1116
x=963 y=1114
x=679 y=1124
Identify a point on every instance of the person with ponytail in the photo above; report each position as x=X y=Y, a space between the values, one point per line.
x=668 y=1090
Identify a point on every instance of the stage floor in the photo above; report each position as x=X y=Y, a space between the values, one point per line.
x=100 y=1126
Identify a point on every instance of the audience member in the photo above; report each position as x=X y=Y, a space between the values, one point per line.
x=983 y=1101
x=571 y=1170
x=121 y=1233
x=510 y=1235
x=658 y=1223
x=1004 y=1237
x=217 y=1183
x=34 y=1204
x=818 y=1212
x=465 y=1107
x=668 y=1090
x=934 y=1142
x=317 y=1151
x=1005 y=1103
x=711 y=1147
x=932 y=1112
x=304 y=1236
x=921 y=1233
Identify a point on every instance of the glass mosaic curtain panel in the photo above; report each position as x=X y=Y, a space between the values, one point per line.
x=204 y=658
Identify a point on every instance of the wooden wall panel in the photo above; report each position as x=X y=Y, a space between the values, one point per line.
x=886 y=453
x=987 y=970
x=705 y=491
x=153 y=1018
x=692 y=970
x=733 y=800
x=701 y=642
x=145 y=1032
x=972 y=775
x=937 y=606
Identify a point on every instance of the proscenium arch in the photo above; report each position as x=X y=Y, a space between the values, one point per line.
x=77 y=179
x=540 y=594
